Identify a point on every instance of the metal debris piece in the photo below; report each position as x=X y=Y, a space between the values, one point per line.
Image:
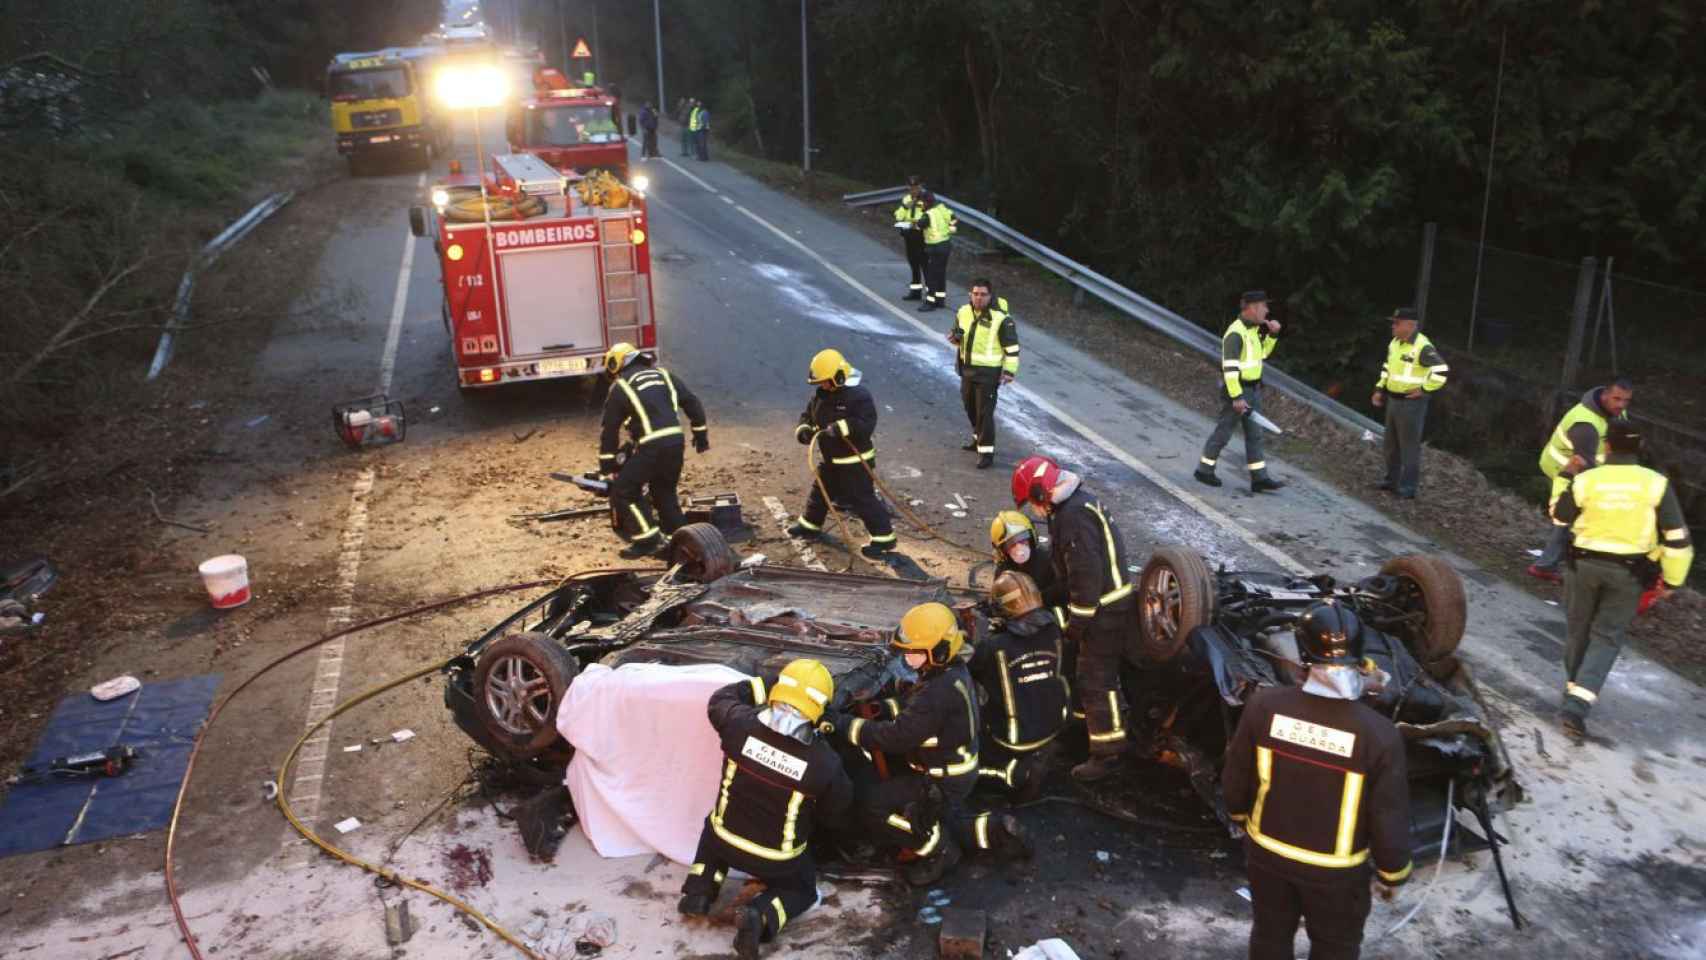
x=399 y=926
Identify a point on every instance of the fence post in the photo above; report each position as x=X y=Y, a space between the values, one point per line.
x=1425 y=273
x=1579 y=322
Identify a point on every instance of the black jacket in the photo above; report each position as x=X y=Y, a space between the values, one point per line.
x=1336 y=792
x=774 y=786
x=1094 y=579
x=656 y=419
x=936 y=729
x=847 y=417
x=1019 y=668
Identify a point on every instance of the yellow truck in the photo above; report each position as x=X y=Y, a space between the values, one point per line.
x=380 y=106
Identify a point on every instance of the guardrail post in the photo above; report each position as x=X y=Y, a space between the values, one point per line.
x=1579 y=322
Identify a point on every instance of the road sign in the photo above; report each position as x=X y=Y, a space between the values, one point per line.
x=582 y=51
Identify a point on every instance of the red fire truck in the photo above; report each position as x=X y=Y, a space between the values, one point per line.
x=573 y=128
x=539 y=279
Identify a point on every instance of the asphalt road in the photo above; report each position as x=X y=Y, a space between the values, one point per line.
x=749 y=284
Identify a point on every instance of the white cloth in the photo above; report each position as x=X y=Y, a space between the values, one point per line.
x=647 y=762
x=1335 y=682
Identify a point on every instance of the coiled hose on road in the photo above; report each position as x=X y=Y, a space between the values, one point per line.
x=930 y=533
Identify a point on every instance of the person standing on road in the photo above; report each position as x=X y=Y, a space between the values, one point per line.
x=934 y=727
x=1414 y=370
x=702 y=132
x=907 y=219
x=1249 y=339
x=649 y=400
x=649 y=132
x=986 y=359
x=1577 y=443
x=778 y=778
x=1018 y=668
x=1090 y=559
x=939 y=228
x=842 y=419
x=1622 y=518
x=688 y=126
x=1318 y=780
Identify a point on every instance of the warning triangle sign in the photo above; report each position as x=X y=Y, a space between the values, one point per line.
x=582 y=51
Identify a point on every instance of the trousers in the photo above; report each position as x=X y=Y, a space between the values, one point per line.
x=851 y=488
x=1404 y=419
x=1557 y=547
x=1098 y=676
x=1333 y=909
x=654 y=469
x=649 y=143
x=979 y=390
x=936 y=271
x=790 y=886
x=1231 y=420
x=1600 y=599
x=915 y=258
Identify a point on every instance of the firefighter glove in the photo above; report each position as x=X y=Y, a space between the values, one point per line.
x=803 y=433
x=834 y=723
x=701 y=440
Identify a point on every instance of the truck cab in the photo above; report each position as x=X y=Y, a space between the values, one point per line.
x=576 y=129
x=378 y=106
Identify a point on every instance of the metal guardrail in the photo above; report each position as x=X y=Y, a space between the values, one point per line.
x=1129 y=302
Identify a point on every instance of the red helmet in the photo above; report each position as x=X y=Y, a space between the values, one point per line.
x=1034 y=480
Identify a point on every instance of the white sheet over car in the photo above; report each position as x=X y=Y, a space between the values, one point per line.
x=647 y=763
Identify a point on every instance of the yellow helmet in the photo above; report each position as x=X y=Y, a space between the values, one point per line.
x=930 y=628
x=619 y=356
x=1015 y=593
x=829 y=366
x=1008 y=526
x=806 y=686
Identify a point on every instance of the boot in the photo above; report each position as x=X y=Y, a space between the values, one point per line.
x=749 y=930
x=1013 y=842
x=1096 y=767
x=799 y=531
x=694 y=904
x=641 y=549
x=970 y=445
x=1206 y=477
x=1575 y=727
x=923 y=873
x=1266 y=485
x=914 y=295
x=875 y=551
x=929 y=305
x=985 y=461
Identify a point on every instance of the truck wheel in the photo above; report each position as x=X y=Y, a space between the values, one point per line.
x=1432 y=587
x=702 y=552
x=1176 y=593
x=519 y=683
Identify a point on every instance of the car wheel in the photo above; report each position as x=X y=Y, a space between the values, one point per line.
x=1175 y=595
x=702 y=552
x=519 y=682
x=1432 y=587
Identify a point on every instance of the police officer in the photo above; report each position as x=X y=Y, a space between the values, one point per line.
x=1317 y=778
x=1622 y=517
x=1249 y=339
x=908 y=219
x=1576 y=443
x=649 y=400
x=688 y=127
x=934 y=727
x=987 y=357
x=842 y=418
x=939 y=227
x=1019 y=670
x=1414 y=370
x=1090 y=559
x=778 y=778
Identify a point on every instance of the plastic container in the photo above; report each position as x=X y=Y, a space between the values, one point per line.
x=227 y=580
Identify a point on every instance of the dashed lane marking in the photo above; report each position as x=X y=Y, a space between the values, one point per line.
x=807 y=555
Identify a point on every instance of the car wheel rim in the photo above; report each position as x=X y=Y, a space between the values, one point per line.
x=1161 y=605
x=518 y=695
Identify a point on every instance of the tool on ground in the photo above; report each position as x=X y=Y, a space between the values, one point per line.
x=369 y=421
x=570 y=513
x=1262 y=421
x=110 y=762
x=721 y=510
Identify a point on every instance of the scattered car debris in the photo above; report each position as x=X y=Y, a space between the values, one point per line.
x=755 y=560
x=520 y=437
x=962 y=934
x=1050 y=949
x=353 y=748
x=399 y=736
x=930 y=916
x=399 y=926
x=347 y=825
x=263 y=418
x=115 y=688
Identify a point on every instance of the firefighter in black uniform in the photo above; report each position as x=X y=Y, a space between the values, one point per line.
x=778 y=777
x=649 y=400
x=908 y=219
x=842 y=418
x=986 y=357
x=1018 y=548
x=1090 y=559
x=1019 y=670
x=1317 y=779
x=934 y=727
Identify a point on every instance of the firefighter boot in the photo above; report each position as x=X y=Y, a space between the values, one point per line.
x=1266 y=485
x=640 y=549
x=877 y=550
x=1012 y=840
x=749 y=931
x=694 y=904
x=914 y=294
x=985 y=461
x=1033 y=773
x=1098 y=766
x=800 y=531
x=929 y=869
x=1206 y=475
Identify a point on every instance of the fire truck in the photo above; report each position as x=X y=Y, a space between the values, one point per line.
x=539 y=278
x=573 y=128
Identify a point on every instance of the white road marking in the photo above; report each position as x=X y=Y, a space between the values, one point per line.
x=807 y=555
x=1082 y=429
x=399 y=301
x=678 y=168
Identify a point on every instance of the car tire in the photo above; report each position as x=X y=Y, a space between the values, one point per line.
x=519 y=682
x=702 y=552
x=1175 y=594
x=1439 y=594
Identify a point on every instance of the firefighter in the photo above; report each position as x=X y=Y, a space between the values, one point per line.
x=907 y=219
x=1017 y=547
x=1413 y=372
x=1578 y=442
x=1090 y=559
x=934 y=727
x=779 y=777
x=1317 y=779
x=986 y=358
x=1249 y=339
x=939 y=227
x=1625 y=521
x=649 y=400
x=842 y=418
x=1019 y=670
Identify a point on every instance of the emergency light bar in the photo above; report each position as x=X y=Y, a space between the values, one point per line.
x=531 y=176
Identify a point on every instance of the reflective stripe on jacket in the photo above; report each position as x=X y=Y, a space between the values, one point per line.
x=649 y=401
x=1089 y=556
x=1412 y=365
x=989 y=339
x=1242 y=351
x=939 y=224
x=1626 y=509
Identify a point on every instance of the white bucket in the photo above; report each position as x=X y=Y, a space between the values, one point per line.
x=227 y=580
